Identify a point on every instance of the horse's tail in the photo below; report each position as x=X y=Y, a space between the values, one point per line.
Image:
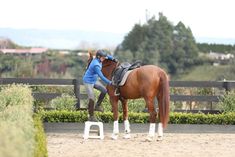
x=165 y=99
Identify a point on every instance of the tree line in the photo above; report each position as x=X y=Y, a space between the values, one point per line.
x=47 y=65
x=159 y=42
x=219 y=48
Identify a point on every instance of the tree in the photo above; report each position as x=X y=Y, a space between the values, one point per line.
x=134 y=38
x=125 y=56
x=161 y=43
x=24 y=69
x=185 y=50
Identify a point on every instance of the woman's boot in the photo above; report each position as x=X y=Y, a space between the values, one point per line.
x=98 y=106
x=91 y=116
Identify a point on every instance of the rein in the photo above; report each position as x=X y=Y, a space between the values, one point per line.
x=118 y=63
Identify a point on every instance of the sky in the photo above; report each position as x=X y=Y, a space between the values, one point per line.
x=206 y=18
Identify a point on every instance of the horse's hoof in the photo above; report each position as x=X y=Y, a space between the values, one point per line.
x=149 y=138
x=114 y=136
x=127 y=136
x=159 y=138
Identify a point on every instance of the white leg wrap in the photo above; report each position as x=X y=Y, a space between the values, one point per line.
x=127 y=129
x=160 y=130
x=115 y=127
x=152 y=129
x=127 y=126
x=114 y=135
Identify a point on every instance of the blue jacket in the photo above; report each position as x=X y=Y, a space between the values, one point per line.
x=94 y=71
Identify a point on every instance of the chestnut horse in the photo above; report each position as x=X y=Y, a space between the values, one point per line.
x=148 y=82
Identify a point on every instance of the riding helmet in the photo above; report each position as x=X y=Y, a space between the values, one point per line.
x=101 y=53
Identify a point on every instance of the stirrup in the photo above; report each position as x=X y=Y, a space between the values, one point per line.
x=115 y=92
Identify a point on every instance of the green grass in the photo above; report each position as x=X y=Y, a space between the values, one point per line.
x=208 y=73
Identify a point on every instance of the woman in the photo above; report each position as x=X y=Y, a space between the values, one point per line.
x=90 y=80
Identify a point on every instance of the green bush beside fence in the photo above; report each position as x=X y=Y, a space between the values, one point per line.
x=200 y=118
x=64 y=102
x=107 y=117
x=227 y=102
x=68 y=114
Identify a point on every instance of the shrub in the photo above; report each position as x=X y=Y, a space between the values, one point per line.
x=107 y=117
x=12 y=95
x=137 y=105
x=40 y=138
x=19 y=136
x=13 y=141
x=17 y=131
x=65 y=102
x=227 y=102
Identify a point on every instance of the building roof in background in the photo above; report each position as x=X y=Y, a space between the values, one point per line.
x=24 y=51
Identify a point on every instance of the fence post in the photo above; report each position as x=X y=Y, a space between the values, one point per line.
x=226 y=86
x=77 y=92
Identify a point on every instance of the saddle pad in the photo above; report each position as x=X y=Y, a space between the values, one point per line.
x=125 y=78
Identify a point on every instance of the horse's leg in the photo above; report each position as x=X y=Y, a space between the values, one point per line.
x=127 y=129
x=152 y=119
x=160 y=127
x=114 y=102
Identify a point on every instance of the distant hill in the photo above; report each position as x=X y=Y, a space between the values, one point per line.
x=61 y=39
x=6 y=43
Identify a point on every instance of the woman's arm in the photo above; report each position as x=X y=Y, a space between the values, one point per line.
x=100 y=74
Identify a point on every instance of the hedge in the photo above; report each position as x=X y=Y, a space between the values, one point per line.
x=16 y=123
x=107 y=117
x=40 y=138
x=20 y=134
x=200 y=118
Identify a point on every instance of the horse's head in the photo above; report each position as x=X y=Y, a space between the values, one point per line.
x=108 y=67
